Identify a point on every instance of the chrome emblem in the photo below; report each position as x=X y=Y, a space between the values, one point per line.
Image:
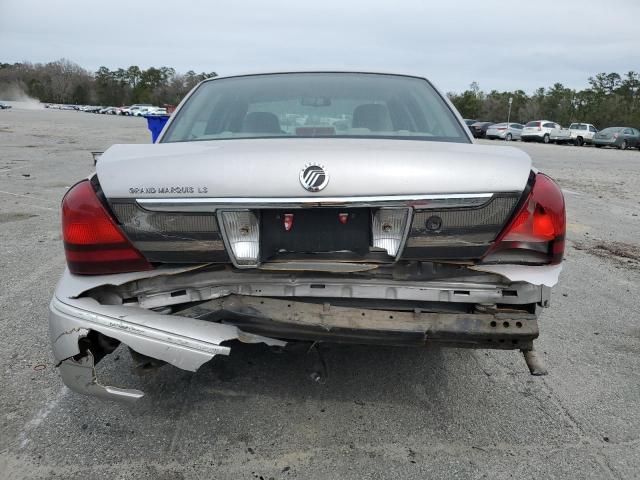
x=313 y=177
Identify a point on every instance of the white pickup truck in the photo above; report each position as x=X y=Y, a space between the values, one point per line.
x=577 y=133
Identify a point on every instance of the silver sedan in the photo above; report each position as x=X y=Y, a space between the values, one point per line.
x=505 y=131
x=282 y=208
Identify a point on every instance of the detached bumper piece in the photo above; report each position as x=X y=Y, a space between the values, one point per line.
x=297 y=320
x=83 y=331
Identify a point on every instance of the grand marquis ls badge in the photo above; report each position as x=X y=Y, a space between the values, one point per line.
x=314 y=177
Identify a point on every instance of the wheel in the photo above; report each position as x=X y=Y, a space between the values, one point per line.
x=545 y=139
x=623 y=145
x=508 y=138
x=579 y=142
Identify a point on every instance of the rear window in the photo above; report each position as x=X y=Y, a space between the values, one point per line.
x=611 y=130
x=533 y=124
x=316 y=105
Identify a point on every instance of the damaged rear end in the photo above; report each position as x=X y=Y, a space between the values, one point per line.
x=382 y=242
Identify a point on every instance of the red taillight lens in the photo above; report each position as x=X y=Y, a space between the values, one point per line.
x=539 y=227
x=93 y=243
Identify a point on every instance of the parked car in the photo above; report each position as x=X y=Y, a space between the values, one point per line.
x=538 y=130
x=396 y=230
x=505 y=131
x=479 y=129
x=139 y=112
x=577 y=134
x=144 y=111
x=134 y=108
x=105 y=110
x=560 y=135
x=619 y=137
x=157 y=112
x=582 y=133
x=4 y=106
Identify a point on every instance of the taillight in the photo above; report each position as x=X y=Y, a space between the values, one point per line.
x=536 y=233
x=93 y=243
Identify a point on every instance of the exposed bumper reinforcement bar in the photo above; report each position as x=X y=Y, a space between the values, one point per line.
x=314 y=321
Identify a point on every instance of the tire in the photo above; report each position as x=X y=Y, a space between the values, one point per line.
x=623 y=145
x=579 y=142
x=508 y=138
x=545 y=139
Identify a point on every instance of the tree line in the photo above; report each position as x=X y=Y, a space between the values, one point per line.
x=63 y=81
x=610 y=99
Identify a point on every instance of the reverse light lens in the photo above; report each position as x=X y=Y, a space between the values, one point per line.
x=93 y=243
x=388 y=226
x=242 y=231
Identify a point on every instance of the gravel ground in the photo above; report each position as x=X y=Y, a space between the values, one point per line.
x=383 y=413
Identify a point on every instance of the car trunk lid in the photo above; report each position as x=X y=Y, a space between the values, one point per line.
x=271 y=168
x=442 y=200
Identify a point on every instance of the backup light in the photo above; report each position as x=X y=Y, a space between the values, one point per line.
x=243 y=236
x=388 y=228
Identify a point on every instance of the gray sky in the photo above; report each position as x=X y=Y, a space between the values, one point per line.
x=499 y=44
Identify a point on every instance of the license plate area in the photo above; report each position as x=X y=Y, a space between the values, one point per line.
x=313 y=231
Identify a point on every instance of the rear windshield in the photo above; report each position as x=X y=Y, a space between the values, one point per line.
x=611 y=130
x=533 y=124
x=316 y=105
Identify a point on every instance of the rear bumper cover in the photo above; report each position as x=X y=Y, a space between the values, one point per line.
x=184 y=342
